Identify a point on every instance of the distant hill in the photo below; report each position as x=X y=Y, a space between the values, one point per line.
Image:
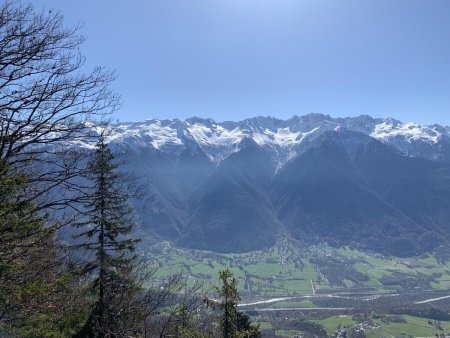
x=378 y=184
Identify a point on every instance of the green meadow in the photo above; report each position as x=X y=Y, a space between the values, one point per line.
x=284 y=270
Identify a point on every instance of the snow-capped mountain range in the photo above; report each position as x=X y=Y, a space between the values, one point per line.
x=228 y=186
x=283 y=137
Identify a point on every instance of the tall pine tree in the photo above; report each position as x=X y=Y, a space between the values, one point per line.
x=230 y=299
x=106 y=233
x=233 y=323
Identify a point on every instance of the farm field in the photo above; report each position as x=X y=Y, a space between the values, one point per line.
x=288 y=271
x=391 y=326
x=289 y=287
x=412 y=327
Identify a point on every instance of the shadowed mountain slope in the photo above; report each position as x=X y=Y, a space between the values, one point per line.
x=378 y=184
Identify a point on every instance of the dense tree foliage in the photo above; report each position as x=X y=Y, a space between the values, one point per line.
x=105 y=233
x=36 y=282
x=233 y=323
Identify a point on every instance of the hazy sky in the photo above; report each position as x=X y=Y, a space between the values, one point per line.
x=232 y=59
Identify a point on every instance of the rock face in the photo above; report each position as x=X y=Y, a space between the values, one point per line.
x=235 y=186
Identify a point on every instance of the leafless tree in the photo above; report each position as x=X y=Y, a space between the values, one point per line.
x=172 y=309
x=49 y=103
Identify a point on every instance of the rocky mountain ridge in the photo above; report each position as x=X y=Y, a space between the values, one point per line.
x=219 y=139
x=378 y=184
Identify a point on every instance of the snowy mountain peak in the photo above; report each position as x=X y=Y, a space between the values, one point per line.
x=410 y=131
x=283 y=138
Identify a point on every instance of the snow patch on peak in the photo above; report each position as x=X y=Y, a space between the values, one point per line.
x=215 y=135
x=215 y=140
x=282 y=137
x=162 y=135
x=309 y=133
x=410 y=131
x=155 y=132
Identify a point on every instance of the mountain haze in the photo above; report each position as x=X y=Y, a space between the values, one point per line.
x=377 y=184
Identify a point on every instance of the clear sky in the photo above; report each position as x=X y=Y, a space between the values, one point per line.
x=232 y=59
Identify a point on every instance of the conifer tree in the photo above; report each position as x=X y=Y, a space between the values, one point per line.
x=22 y=236
x=230 y=299
x=35 y=287
x=233 y=323
x=106 y=233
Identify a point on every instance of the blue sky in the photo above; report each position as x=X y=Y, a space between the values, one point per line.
x=232 y=59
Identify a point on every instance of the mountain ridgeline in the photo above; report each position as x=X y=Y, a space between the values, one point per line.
x=376 y=184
